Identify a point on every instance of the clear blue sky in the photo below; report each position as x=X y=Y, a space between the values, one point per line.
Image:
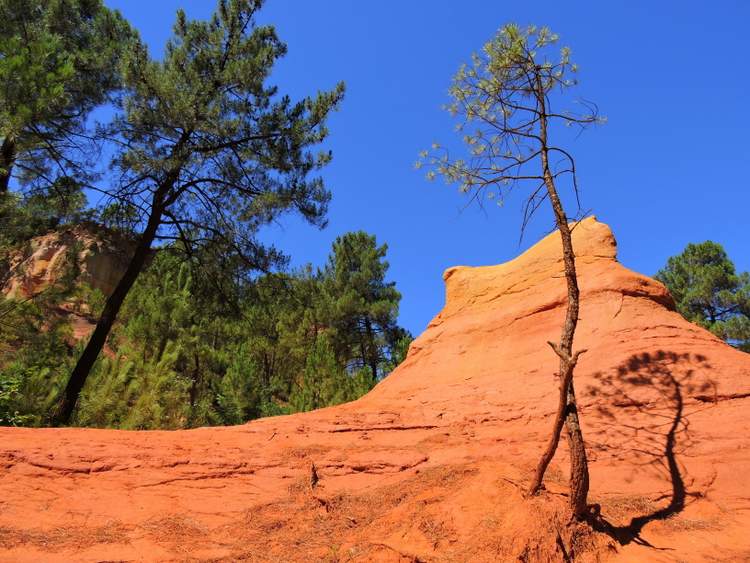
x=669 y=167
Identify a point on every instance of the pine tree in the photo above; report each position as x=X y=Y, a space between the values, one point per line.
x=708 y=291
x=237 y=393
x=59 y=59
x=209 y=152
x=323 y=381
x=507 y=101
x=363 y=306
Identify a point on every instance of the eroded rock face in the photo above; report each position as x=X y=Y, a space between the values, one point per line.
x=83 y=254
x=432 y=464
x=99 y=259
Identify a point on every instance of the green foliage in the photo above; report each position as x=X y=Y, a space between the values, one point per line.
x=35 y=357
x=214 y=151
x=323 y=381
x=708 y=291
x=137 y=393
x=24 y=217
x=59 y=59
x=204 y=154
x=10 y=386
x=35 y=75
x=147 y=383
x=122 y=217
x=238 y=396
x=180 y=358
x=363 y=306
x=37 y=349
x=505 y=102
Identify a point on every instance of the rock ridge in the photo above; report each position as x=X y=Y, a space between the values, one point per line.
x=432 y=464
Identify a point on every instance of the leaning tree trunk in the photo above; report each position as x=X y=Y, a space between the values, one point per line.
x=579 y=470
x=7 y=159
x=80 y=373
x=567 y=410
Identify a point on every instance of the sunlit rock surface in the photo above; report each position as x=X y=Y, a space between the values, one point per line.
x=432 y=464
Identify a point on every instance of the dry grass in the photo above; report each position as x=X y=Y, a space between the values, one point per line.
x=619 y=510
x=436 y=531
x=355 y=523
x=68 y=537
x=304 y=452
x=679 y=523
x=181 y=532
x=310 y=525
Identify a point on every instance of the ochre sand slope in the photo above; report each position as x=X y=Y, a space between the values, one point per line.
x=432 y=464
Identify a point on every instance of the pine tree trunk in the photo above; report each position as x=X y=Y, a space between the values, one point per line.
x=579 y=465
x=195 y=388
x=567 y=409
x=7 y=158
x=80 y=373
x=566 y=376
x=373 y=352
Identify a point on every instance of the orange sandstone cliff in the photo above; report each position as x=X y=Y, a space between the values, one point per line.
x=432 y=464
x=82 y=255
x=99 y=256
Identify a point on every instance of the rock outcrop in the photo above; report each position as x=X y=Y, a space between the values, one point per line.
x=90 y=254
x=82 y=255
x=432 y=464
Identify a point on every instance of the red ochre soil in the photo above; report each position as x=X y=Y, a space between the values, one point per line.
x=432 y=464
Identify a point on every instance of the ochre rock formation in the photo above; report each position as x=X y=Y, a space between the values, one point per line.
x=98 y=256
x=82 y=254
x=433 y=463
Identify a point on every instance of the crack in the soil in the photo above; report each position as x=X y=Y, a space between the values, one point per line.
x=379 y=428
x=724 y=397
x=205 y=476
x=375 y=468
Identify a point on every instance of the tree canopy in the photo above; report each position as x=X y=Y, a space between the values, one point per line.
x=59 y=59
x=506 y=102
x=709 y=291
x=179 y=357
x=363 y=304
x=207 y=153
x=207 y=150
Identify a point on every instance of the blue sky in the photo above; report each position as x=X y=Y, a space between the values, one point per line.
x=668 y=168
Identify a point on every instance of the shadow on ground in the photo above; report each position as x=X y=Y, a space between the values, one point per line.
x=643 y=402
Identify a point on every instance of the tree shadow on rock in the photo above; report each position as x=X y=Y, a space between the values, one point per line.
x=643 y=404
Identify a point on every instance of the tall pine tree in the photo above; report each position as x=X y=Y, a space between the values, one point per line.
x=363 y=306
x=209 y=152
x=59 y=59
x=710 y=292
